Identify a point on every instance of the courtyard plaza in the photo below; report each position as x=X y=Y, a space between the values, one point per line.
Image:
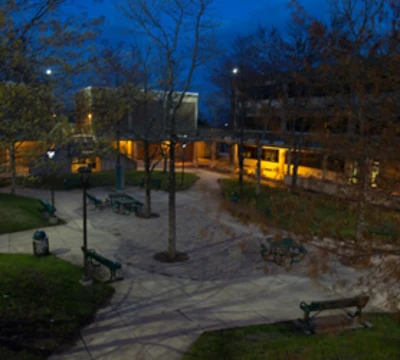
x=160 y=309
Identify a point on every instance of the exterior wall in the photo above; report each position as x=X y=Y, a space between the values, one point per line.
x=26 y=153
x=127 y=147
x=76 y=164
x=178 y=151
x=269 y=169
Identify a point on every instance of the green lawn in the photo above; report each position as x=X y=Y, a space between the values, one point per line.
x=42 y=305
x=283 y=342
x=304 y=212
x=107 y=178
x=18 y=213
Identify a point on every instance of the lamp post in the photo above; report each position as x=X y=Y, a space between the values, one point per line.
x=84 y=172
x=183 y=163
x=50 y=155
x=238 y=122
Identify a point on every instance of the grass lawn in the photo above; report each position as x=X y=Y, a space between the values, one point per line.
x=18 y=213
x=42 y=305
x=283 y=342
x=304 y=212
x=107 y=178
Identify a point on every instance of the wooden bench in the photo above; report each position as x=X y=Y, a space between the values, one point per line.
x=281 y=249
x=98 y=204
x=47 y=208
x=358 y=302
x=154 y=183
x=96 y=259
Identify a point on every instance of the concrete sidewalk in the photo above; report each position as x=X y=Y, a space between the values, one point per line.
x=153 y=316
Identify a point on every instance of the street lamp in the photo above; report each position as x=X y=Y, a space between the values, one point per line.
x=84 y=173
x=183 y=161
x=238 y=122
x=48 y=72
x=50 y=155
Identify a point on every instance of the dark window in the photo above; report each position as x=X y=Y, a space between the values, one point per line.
x=298 y=125
x=335 y=163
x=307 y=159
x=249 y=152
x=270 y=155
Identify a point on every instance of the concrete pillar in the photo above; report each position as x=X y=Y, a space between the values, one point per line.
x=282 y=155
x=234 y=156
x=213 y=154
x=135 y=150
x=289 y=161
x=195 y=154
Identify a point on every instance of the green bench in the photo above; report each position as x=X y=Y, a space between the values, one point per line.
x=384 y=230
x=358 y=302
x=72 y=183
x=234 y=197
x=154 y=183
x=98 y=204
x=47 y=208
x=96 y=259
x=282 y=249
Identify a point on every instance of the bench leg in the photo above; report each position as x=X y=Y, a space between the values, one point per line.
x=114 y=276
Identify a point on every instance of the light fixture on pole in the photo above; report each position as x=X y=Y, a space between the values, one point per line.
x=84 y=172
x=50 y=155
x=183 y=159
x=49 y=72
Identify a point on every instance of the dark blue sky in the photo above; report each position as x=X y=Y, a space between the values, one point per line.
x=236 y=17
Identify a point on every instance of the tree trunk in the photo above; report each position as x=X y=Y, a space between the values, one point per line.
x=362 y=200
x=147 y=175
x=171 y=203
x=295 y=166
x=13 y=169
x=165 y=164
x=241 y=163
x=258 y=169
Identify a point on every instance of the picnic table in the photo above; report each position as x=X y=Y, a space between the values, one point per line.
x=281 y=249
x=127 y=205
x=123 y=203
x=114 y=197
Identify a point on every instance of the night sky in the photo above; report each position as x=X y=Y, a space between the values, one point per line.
x=236 y=17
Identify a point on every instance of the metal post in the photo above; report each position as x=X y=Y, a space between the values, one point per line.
x=183 y=165
x=86 y=270
x=52 y=191
x=118 y=168
x=85 y=173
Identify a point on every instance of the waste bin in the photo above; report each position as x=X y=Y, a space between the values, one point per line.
x=40 y=243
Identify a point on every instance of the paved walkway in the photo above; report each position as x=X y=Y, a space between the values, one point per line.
x=159 y=310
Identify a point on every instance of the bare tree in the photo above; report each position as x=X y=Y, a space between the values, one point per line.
x=356 y=81
x=181 y=31
x=33 y=39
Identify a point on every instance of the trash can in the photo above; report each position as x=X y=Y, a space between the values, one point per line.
x=40 y=243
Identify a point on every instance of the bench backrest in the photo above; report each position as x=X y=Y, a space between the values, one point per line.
x=47 y=205
x=93 y=198
x=358 y=301
x=101 y=259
